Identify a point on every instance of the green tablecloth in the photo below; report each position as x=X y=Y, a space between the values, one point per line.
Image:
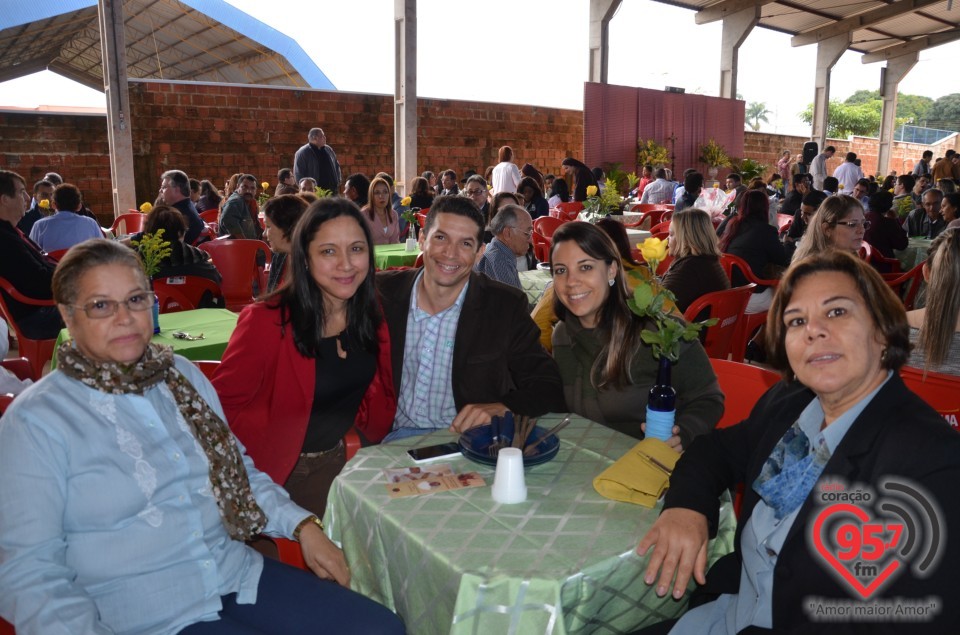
x=457 y=562
x=216 y=325
x=914 y=254
x=533 y=283
x=394 y=256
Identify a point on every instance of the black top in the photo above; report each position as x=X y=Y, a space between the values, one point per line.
x=30 y=271
x=538 y=207
x=758 y=244
x=32 y=216
x=338 y=391
x=693 y=276
x=423 y=201
x=885 y=234
x=195 y=224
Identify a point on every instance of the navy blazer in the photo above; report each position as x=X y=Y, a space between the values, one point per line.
x=497 y=355
x=896 y=435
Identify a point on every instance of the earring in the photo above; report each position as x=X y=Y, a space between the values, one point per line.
x=611 y=281
x=883 y=355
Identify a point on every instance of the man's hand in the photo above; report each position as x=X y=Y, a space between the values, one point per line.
x=679 y=539
x=674 y=441
x=322 y=556
x=476 y=414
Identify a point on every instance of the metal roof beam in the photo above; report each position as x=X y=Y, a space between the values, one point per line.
x=26 y=67
x=88 y=80
x=862 y=21
x=913 y=46
x=726 y=8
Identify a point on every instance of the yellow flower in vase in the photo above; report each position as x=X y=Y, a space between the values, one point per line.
x=146 y=208
x=44 y=205
x=591 y=190
x=405 y=201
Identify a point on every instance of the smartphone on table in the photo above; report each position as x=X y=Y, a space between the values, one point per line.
x=433 y=452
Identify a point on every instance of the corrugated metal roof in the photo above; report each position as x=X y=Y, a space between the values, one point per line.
x=191 y=40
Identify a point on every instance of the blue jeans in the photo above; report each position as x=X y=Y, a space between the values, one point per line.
x=292 y=601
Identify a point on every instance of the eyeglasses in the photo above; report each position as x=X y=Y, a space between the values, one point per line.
x=853 y=224
x=474 y=192
x=527 y=233
x=100 y=309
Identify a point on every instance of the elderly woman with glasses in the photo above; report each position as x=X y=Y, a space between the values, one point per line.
x=840 y=223
x=126 y=500
x=841 y=423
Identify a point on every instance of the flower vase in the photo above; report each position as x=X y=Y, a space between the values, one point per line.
x=411 y=245
x=589 y=216
x=661 y=404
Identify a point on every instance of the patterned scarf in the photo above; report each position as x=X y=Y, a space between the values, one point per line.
x=239 y=511
x=790 y=472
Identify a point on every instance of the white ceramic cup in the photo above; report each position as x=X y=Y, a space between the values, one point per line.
x=508 y=483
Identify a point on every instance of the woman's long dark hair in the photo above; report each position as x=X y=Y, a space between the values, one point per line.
x=301 y=300
x=754 y=207
x=618 y=328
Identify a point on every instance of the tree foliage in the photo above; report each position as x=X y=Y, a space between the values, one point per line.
x=859 y=114
x=756 y=112
x=945 y=113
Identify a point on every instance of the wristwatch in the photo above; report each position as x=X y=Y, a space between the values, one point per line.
x=309 y=519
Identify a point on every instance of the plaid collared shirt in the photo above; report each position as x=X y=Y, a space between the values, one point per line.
x=426 y=387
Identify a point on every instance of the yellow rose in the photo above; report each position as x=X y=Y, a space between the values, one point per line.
x=44 y=204
x=146 y=208
x=265 y=185
x=591 y=190
x=405 y=201
x=653 y=250
x=716 y=185
x=839 y=186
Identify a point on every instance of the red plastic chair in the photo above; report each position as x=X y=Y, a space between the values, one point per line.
x=727 y=306
x=57 y=254
x=129 y=223
x=643 y=208
x=878 y=260
x=751 y=322
x=183 y=293
x=906 y=285
x=663 y=227
x=939 y=390
x=546 y=225
x=208 y=367
x=541 y=246
x=236 y=260
x=6 y=628
x=654 y=216
x=742 y=386
x=38 y=352
x=569 y=210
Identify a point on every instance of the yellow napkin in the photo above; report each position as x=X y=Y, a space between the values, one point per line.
x=640 y=476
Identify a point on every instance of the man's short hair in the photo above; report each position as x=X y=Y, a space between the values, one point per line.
x=459 y=205
x=194 y=186
x=950 y=153
x=359 y=182
x=8 y=184
x=831 y=184
x=506 y=217
x=53 y=177
x=41 y=183
x=179 y=179
x=829 y=149
x=907 y=181
x=928 y=154
x=938 y=193
x=881 y=202
x=661 y=173
x=314 y=133
x=801 y=177
x=693 y=181
x=735 y=177
x=479 y=180
x=67 y=198
x=851 y=157
x=814 y=198
x=284 y=174
x=865 y=182
x=450 y=173
x=246 y=177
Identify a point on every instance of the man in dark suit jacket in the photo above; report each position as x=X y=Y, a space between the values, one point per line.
x=475 y=351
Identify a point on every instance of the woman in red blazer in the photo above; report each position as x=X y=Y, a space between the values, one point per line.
x=312 y=360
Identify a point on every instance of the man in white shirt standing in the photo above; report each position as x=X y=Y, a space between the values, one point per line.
x=848 y=173
x=818 y=169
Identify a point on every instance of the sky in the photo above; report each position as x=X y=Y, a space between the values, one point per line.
x=535 y=52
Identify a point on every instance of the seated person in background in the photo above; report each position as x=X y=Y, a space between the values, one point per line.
x=280 y=216
x=950 y=209
x=903 y=201
x=925 y=221
x=830 y=185
x=935 y=329
x=475 y=188
x=209 y=197
x=884 y=233
x=184 y=259
x=175 y=192
x=463 y=346
x=802 y=185
x=235 y=219
x=840 y=223
x=511 y=229
x=559 y=193
x=383 y=221
x=286 y=183
x=124 y=450
x=811 y=202
x=633 y=272
x=660 y=191
x=357 y=189
x=24 y=264
x=308 y=185
x=695 y=270
x=500 y=201
x=42 y=191
x=692 y=185
x=850 y=423
x=66 y=228
x=607 y=369
x=533 y=199
x=312 y=360
x=420 y=194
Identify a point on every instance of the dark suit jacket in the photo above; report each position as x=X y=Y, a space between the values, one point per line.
x=497 y=356
x=897 y=435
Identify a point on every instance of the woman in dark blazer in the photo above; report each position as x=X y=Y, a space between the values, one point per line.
x=841 y=423
x=695 y=270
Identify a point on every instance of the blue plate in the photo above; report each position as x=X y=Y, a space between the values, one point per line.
x=475 y=443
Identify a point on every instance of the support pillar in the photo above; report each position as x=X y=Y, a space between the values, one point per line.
x=894 y=72
x=736 y=28
x=114 y=54
x=601 y=12
x=828 y=53
x=405 y=95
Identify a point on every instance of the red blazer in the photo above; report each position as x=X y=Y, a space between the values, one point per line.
x=266 y=388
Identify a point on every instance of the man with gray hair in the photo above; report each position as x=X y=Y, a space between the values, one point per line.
x=317 y=161
x=512 y=228
x=175 y=192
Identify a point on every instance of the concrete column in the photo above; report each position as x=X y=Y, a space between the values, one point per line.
x=114 y=53
x=736 y=28
x=405 y=95
x=894 y=72
x=601 y=12
x=828 y=53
